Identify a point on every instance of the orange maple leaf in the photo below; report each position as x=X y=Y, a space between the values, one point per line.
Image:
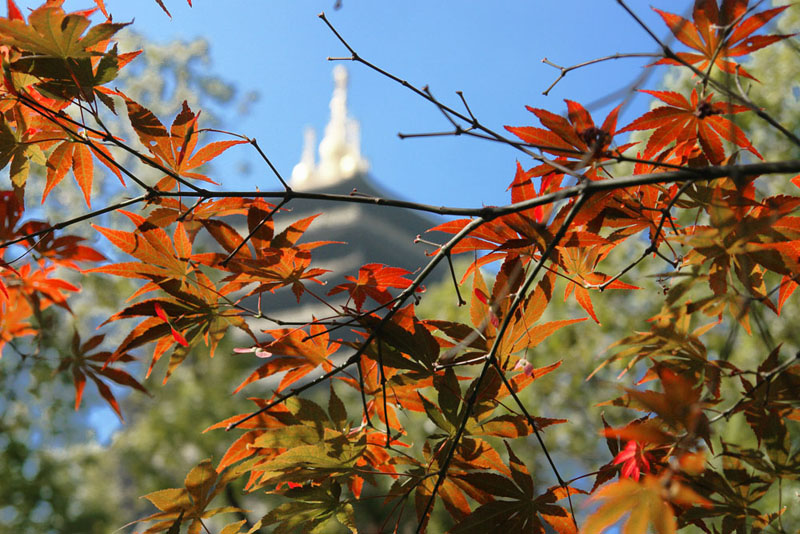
x=719 y=33
x=175 y=149
x=374 y=280
x=699 y=121
x=575 y=138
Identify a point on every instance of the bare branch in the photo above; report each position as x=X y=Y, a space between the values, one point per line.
x=566 y=70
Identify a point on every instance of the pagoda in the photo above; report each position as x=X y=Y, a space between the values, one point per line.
x=370 y=233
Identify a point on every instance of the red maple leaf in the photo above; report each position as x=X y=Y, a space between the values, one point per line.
x=522 y=187
x=374 y=280
x=575 y=137
x=84 y=363
x=177 y=336
x=634 y=460
x=715 y=36
x=699 y=121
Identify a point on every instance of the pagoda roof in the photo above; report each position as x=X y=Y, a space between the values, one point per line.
x=368 y=233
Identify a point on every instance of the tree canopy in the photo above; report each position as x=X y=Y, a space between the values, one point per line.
x=691 y=419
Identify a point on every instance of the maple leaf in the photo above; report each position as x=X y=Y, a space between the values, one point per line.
x=3 y=289
x=634 y=460
x=18 y=149
x=276 y=260
x=296 y=351
x=579 y=263
x=522 y=187
x=206 y=215
x=641 y=432
x=746 y=238
x=719 y=33
x=374 y=280
x=175 y=149
x=177 y=336
x=486 y=313
x=193 y=314
x=83 y=363
x=689 y=123
x=277 y=417
x=518 y=509
x=769 y=401
x=79 y=158
x=164 y=8
x=15 y=310
x=102 y=7
x=402 y=389
x=513 y=234
x=52 y=56
x=312 y=509
x=193 y=310
x=13 y=11
x=375 y=456
x=409 y=340
x=575 y=138
x=52 y=33
x=47 y=288
x=679 y=405
x=12 y=209
x=633 y=210
x=161 y=258
x=314 y=451
x=65 y=250
x=191 y=502
x=648 y=503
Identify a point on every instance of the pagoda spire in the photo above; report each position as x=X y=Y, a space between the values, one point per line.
x=340 y=149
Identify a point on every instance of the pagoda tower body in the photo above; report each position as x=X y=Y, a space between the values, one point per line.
x=370 y=233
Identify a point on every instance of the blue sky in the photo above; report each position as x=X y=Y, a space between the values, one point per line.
x=490 y=51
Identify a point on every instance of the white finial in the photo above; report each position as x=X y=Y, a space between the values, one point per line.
x=339 y=150
x=303 y=171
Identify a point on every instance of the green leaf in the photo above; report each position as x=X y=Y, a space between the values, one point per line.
x=169 y=500
x=108 y=67
x=313 y=509
x=51 y=32
x=449 y=395
x=337 y=410
x=435 y=415
x=493 y=484
x=200 y=481
x=288 y=436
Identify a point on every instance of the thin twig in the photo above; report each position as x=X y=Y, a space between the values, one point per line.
x=565 y=70
x=461 y=301
x=271 y=166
